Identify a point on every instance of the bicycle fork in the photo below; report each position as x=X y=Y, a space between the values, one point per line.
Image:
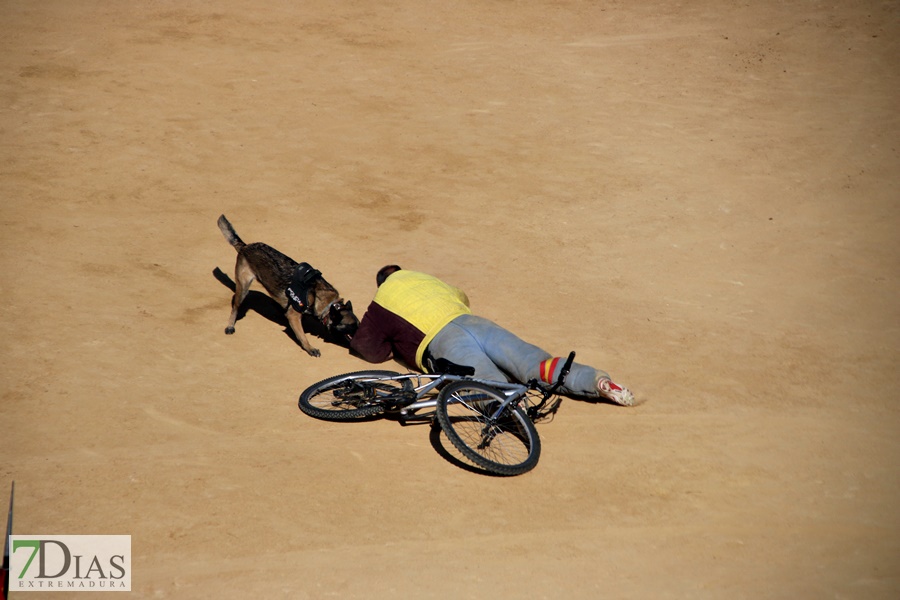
x=489 y=431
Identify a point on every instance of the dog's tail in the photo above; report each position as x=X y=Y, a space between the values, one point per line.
x=230 y=234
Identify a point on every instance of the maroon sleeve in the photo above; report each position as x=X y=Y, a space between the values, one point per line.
x=371 y=341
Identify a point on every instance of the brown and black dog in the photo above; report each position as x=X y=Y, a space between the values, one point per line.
x=297 y=287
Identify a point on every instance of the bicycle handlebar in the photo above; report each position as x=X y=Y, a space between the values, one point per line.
x=563 y=373
x=548 y=391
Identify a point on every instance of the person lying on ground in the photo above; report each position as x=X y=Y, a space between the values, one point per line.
x=419 y=319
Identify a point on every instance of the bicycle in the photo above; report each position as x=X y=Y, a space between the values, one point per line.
x=490 y=422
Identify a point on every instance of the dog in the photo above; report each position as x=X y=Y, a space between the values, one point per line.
x=297 y=287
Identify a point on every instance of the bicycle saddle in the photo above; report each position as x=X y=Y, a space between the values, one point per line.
x=444 y=366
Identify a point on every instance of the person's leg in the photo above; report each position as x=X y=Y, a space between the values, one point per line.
x=457 y=345
x=517 y=358
x=498 y=354
x=523 y=361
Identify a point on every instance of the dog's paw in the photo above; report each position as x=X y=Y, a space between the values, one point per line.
x=229 y=330
x=314 y=352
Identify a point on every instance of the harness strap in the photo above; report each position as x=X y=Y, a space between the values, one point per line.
x=298 y=291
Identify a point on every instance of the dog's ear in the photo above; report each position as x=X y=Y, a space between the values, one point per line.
x=349 y=306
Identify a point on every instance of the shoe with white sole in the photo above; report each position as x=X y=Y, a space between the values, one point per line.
x=615 y=392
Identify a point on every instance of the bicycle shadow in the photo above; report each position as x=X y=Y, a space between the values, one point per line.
x=442 y=445
x=263 y=305
x=448 y=452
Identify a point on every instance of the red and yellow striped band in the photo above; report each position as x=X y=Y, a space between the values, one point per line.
x=548 y=367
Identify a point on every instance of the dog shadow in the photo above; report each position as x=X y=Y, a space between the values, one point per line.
x=263 y=305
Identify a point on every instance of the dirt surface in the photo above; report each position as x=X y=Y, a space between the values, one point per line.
x=699 y=197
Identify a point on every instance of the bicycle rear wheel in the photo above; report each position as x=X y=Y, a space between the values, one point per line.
x=353 y=396
x=506 y=445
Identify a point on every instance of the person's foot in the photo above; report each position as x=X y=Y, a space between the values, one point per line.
x=615 y=392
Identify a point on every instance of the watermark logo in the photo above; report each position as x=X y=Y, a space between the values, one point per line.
x=70 y=563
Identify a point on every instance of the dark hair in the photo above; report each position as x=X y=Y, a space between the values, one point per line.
x=384 y=272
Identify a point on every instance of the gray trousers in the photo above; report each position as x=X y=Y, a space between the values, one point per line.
x=497 y=354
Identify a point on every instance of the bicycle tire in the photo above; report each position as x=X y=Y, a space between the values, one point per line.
x=507 y=445
x=351 y=396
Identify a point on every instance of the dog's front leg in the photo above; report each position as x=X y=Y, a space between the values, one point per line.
x=243 y=277
x=294 y=319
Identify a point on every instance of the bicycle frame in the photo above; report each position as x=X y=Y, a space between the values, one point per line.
x=513 y=391
x=491 y=423
x=432 y=381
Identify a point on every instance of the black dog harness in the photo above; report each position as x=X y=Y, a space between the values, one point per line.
x=302 y=283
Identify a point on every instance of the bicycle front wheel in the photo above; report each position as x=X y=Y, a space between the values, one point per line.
x=352 y=395
x=506 y=444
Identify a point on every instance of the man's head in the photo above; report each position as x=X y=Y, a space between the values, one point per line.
x=384 y=272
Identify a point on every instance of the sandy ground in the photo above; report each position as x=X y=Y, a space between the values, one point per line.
x=702 y=198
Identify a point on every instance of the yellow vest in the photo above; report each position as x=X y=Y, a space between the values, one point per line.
x=424 y=301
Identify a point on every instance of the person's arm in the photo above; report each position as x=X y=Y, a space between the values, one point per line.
x=370 y=340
